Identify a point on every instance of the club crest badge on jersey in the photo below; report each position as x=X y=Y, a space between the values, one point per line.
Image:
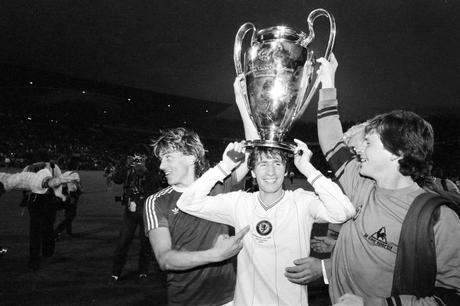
x=264 y=228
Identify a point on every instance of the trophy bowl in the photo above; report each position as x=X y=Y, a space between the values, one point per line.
x=278 y=75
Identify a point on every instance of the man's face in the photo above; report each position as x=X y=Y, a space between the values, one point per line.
x=375 y=159
x=178 y=168
x=269 y=172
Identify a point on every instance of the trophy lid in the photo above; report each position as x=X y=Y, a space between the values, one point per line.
x=280 y=32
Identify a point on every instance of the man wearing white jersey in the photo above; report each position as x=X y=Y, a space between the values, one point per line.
x=280 y=220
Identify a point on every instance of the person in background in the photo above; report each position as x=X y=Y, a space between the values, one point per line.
x=42 y=207
x=140 y=178
x=33 y=182
x=437 y=181
x=108 y=172
x=72 y=190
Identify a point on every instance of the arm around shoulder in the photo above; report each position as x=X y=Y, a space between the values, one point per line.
x=168 y=259
x=176 y=260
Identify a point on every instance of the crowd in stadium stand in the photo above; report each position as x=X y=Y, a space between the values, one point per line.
x=89 y=146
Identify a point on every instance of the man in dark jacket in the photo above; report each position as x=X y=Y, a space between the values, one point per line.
x=140 y=178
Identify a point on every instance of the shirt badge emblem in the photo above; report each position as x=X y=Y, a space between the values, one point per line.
x=264 y=228
x=379 y=238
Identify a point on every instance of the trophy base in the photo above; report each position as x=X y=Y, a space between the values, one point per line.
x=287 y=146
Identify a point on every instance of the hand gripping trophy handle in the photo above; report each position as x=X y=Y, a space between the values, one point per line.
x=330 y=44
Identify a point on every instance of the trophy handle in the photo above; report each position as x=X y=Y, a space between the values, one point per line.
x=239 y=41
x=311 y=19
x=237 y=59
x=330 y=44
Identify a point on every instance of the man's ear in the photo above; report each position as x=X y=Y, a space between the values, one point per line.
x=395 y=157
x=253 y=174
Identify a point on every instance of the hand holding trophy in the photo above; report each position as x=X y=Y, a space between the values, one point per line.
x=278 y=76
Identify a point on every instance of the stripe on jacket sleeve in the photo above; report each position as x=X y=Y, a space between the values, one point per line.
x=151 y=216
x=339 y=158
x=332 y=151
x=327 y=111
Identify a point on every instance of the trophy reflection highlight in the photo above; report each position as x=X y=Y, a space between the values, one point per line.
x=279 y=77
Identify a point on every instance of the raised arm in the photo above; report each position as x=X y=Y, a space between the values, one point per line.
x=330 y=131
x=331 y=205
x=250 y=130
x=218 y=208
x=334 y=143
x=239 y=86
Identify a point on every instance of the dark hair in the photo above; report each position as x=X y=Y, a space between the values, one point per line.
x=258 y=152
x=407 y=135
x=140 y=148
x=182 y=140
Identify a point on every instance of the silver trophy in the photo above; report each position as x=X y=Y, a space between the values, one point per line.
x=278 y=77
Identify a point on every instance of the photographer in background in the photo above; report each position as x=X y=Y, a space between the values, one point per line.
x=140 y=178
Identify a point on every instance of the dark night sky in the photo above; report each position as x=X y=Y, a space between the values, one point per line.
x=392 y=54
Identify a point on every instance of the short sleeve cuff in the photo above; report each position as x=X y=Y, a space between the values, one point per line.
x=314 y=177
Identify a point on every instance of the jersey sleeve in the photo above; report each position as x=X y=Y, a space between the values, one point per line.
x=339 y=157
x=447 y=233
x=328 y=203
x=155 y=212
x=228 y=184
x=217 y=208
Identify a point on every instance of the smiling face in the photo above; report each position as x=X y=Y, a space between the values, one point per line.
x=269 y=171
x=376 y=161
x=179 y=169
